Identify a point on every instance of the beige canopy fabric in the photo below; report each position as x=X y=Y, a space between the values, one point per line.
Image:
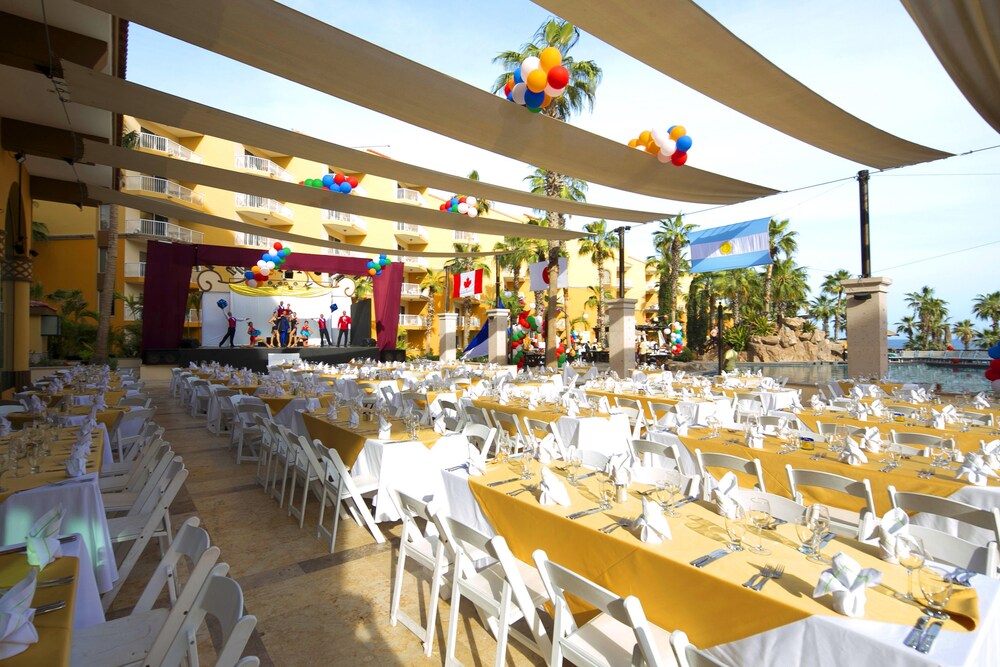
x=105 y=92
x=171 y=210
x=965 y=36
x=226 y=179
x=297 y=47
x=681 y=40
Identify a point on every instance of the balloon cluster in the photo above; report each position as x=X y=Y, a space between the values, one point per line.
x=525 y=325
x=539 y=80
x=676 y=338
x=333 y=183
x=268 y=262
x=462 y=205
x=222 y=303
x=993 y=372
x=375 y=266
x=670 y=145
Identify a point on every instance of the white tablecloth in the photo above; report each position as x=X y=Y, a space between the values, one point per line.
x=697 y=412
x=607 y=435
x=286 y=415
x=776 y=399
x=84 y=514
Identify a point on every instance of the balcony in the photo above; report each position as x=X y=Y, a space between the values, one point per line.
x=652 y=286
x=251 y=240
x=411 y=321
x=344 y=223
x=412 y=292
x=158 y=229
x=135 y=269
x=413 y=264
x=264 y=210
x=407 y=194
x=408 y=233
x=154 y=143
x=465 y=237
x=163 y=187
x=263 y=166
x=193 y=316
x=469 y=322
x=338 y=252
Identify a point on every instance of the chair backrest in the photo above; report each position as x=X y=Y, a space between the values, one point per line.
x=646 y=449
x=753 y=467
x=535 y=429
x=478 y=415
x=481 y=436
x=508 y=423
x=986 y=519
x=831 y=429
x=658 y=411
x=782 y=508
x=247 y=411
x=827 y=480
x=191 y=541
x=592 y=458
x=560 y=581
x=498 y=549
x=628 y=403
x=7 y=409
x=920 y=439
x=793 y=420
x=687 y=655
x=980 y=418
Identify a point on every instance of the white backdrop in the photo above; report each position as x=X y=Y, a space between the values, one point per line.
x=259 y=309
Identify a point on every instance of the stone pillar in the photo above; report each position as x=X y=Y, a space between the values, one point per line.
x=447 y=327
x=868 y=342
x=499 y=320
x=621 y=335
x=18 y=270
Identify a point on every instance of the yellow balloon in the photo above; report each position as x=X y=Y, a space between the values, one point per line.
x=546 y=102
x=677 y=132
x=644 y=137
x=549 y=58
x=632 y=143
x=652 y=148
x=537 y=80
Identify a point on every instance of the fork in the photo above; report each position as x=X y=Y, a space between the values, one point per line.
x=765 y=573
x=607 y=530
x=776 y=573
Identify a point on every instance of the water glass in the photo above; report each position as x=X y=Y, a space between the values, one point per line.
x=607 y=491
x=575 y=461
x=736 y=527
x=806 y=531
x=760 y=517
x=672 y=485
x=34 y=457
x=937 y=588
x=909 y=551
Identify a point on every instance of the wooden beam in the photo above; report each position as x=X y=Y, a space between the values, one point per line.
x=63 y=192
x=23 y=44
x=18 y=136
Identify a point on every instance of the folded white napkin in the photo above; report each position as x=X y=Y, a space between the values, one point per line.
x=17 y=632
x=938 y=420
x=547 y=450
x=100 y=403
x=331 y=411
x=754 y=438
x=917 y=395
x=981 y=402
x=533 y=402
x=619 y=460
x=859 y=411
x=990 y=451
x=476 y=462
x=35 y=404
x=852 y=453
x=4 y=426
x=552 y=490
x=858 y=392
x=724 y=493
x=76 y=465
x=950 y=413
x=439 y=425
x=815 y=402
x=603 y=405
x=572 y=408
x=384 y=428
x=874 y=390
x=651 y=526
x=475 y=391
x=975 y=470
x=872 y=440
x=847 y=582
x=355 y=419
x=877 y=408
x=43 y=538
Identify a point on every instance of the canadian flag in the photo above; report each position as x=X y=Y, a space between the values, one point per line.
x=466 y=284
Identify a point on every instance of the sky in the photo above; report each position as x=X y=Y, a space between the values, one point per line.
x=935 y=224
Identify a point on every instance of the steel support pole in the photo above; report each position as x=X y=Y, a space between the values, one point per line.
x=866 y=250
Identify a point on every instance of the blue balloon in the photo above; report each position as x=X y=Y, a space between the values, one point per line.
x=510 y=97
x=382 y=256
x=684 y=143
x=345 y=187
x=371 y=264
x=994 y=351
x=671 y=129
x=533 y=99
x=221 y=303
x=248 y=275
x=517 y=76
x=327 y=180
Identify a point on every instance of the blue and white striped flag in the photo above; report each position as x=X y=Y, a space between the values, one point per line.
x=730 y=247
x=480 y=345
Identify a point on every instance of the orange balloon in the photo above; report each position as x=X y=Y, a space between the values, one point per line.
x=546 y=102
x=371 y=272
x=652 y=148
x=549 y=58
x=677 y=132
x=632 y=143
x=537 y=80
x=644 y=137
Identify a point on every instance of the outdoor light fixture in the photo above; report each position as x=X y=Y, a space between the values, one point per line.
x=20 y=157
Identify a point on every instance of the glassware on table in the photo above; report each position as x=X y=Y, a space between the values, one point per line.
x=672 y=485
x=606 y=491
x=14 y=455
x=760 y=517
x=936 y=451
x=4 y=467
x=574 y=463
x=34 y=457
x=909 y=551
x=806 y=531
x=527 y=456
x=820 y=516
x=736 y=527
x=937 y=588
x=714 y=423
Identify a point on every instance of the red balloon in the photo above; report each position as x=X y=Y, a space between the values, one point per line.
x=302 y=182
x=353 y=180
x=443 y=207
x=678 y=158
x=277 y=245
x=558 y=77
x=993 y=372
x=338 y=178
x=461 y=200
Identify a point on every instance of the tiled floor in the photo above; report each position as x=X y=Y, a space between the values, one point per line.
x=312 y=607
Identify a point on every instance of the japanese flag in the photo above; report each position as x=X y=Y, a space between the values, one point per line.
x=468 y=284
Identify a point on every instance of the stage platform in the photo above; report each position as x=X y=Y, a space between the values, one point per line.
x=256 y=358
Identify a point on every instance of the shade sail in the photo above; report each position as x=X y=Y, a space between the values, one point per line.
x=965 y=36
x=234 y=181
x=704 y=55
x=106 y=92
x=274 y=38
x=179 y=212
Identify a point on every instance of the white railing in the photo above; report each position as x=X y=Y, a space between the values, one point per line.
x=251 y=240
x=256 y=201
x=163 y=187
x=408 y=228
x=155 y=142
x=408 y=195
x=411 y=320
x=162 y=230
x=263 y=165
x=469 y=322
x=347 y=218
x=417 y=261
x=193 y=315
x=465 y=237
x=135 y=269
x=338 y=252
x=411 y=289
x=652 y=286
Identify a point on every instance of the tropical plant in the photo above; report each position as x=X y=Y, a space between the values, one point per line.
x=599 y=246
x=831 y=285
x=931 y=313
x=432 y=284
x=670 y=240
x=907 y=326
x=738 y=336
x=517 y=252
x=789 y=288
x=483 y=206
x=39 y=231
x=76 y=321
x=965 y=332
x=987 y=307
x=700 y=312
x=363 y=289
x=738 y=287
x=781 y=241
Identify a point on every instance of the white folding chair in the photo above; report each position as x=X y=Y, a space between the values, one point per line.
x=658 y=411
x=478 y=415
x=618 y=635
x=453 y=417
x=308 y=468
x=687 y=655
x=343 y=491
x=842 y=522
x=976 y=418
x=706 y=460
x=175 y=380
x=645 y=450
x=132 y=498
x=481 y=436
x=127 y=432
x=222 y=421
x=593 y=459
x=199 y=398
x=135 y=402
x=924 y=440
x=250 y=433
x=511 y=425
x=126 y=476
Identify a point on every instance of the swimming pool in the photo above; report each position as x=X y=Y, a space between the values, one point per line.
x=951 y=379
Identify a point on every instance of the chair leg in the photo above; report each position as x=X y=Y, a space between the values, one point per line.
x=432 y=611
x=397 y=586
x=449 y=651
x=503 y=628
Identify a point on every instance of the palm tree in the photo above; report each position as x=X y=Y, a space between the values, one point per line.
x=907 y=326
x=831 y=285
x=433 y=284
x=584 y=77
x=670 y=239
x=461 y=265
x=483 y=206
x=596 y=300
x=790 y=285
x=965 y=332
x=518 y=251
x=822 y=309
x=987 y=307
x=781 y=241
x=931 y=313
x=600 y=247
x=737 y=287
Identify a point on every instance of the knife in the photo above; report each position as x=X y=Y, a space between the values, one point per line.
x=826 y=539
x=916 y=632
x=685 y=501
x=589 y=474
x=714 y=557
x=928 y=638
x=707 y=558
x=504 y=481
x=577 y=515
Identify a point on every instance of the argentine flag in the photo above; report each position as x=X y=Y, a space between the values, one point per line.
x=478 y=346
x=730 y=247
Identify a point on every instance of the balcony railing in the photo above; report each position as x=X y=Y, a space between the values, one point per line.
x=193 y=315
x=413 y=261
x=346 y=218
x=162 y=230
x=155 y=142
x=256 y=201
x=408 y=228
x=163 y=187
x=469 y=322
x=251 y=240
x=264 y=165
x=465 y=237
x=338 y=252
x=411 y=320
x=408 y=195
x=135 y=269
x=411 y=289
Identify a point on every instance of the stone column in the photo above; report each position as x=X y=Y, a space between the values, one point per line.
x=868 y=342
x=499 y=320
x=447 y=326
x=18 y=271
x=621 y=335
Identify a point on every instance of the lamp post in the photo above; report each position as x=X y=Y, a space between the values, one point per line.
x=718 y=337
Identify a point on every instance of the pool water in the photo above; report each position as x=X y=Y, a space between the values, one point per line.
x=951 y=379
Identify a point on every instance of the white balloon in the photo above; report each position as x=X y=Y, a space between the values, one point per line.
x=463 y=208
x=472 y=212
x=669 y=147
x=554 y=92
x=529 y=65
x=471 y=201
x=517 y=93
x=270 y=265
x=265 y=271
x=660 y=135
x=261 y=263
x=663 y=157
x=251 y=283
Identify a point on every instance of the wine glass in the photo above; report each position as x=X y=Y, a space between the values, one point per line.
x=34 y=457
x=909 y=551
x=527 y=455
x=937 y=588
x=736 y=527
x=713 y=423
x=607 y=491
x=672 y=485
x=760 y=517
x=806 y=531
x=575 y=461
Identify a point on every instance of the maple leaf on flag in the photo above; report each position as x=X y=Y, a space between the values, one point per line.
x=467 y=282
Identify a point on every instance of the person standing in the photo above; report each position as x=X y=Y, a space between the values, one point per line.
x=343 y=325
x=324 y=334
x=729 y=358
x=231 y=331
x=283 y=329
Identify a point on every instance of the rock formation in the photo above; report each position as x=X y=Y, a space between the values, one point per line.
x=791 y=343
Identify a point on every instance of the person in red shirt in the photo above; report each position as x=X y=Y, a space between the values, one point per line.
x=252 y=333
x=344 y=325
x=324 y=333
x=231 y=331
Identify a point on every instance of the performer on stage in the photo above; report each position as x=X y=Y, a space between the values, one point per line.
x=273 y=340
x=231 y=331
x=252 y=333
x=304 y=333
x=324 y=334
x=344 y=325
x=283 y=327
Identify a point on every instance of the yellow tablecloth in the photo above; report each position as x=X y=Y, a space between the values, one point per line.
x=52 y=467
x=709 y=603
x=967 y=442
x=55 y=629
x=277 y=403
x=348 y=443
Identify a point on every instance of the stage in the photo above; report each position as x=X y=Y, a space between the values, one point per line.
x=256 y=358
